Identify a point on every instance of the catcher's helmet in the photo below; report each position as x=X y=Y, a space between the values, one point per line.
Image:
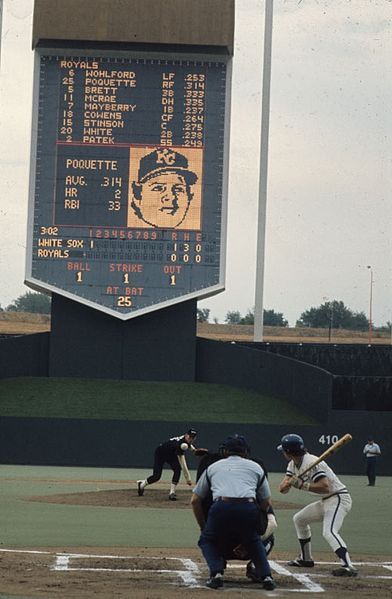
x=235 y=444
x=292 y=444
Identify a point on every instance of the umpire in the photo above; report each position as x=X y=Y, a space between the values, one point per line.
x=235 y=482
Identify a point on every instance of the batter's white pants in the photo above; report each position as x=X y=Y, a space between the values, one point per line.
x=331 y=512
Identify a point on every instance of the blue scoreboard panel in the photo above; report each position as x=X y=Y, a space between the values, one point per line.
x=129 y=179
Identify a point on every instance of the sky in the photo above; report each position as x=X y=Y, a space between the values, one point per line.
x=329 y=200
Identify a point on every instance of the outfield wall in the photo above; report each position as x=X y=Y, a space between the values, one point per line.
x=119 y=443
x=114 y=443
x=24 y=355
x=362 y=374
x=358 y=359
x=306 y=386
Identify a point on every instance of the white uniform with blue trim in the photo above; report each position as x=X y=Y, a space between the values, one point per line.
x=331 y=509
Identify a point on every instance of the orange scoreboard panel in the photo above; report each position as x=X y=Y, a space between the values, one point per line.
x=128 y=180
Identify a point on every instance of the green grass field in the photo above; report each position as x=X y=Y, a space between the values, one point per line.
x=23 y=523
x=137 y=400
x=367 y=529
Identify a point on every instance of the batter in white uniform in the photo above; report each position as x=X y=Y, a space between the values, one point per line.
x=331 y=509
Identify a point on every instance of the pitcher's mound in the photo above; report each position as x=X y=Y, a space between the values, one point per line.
x=152 y=498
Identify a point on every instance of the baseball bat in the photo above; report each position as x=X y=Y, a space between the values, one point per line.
x=332 y=449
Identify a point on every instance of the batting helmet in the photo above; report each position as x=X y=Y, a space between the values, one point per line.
x=292 y=443
x=235 y=445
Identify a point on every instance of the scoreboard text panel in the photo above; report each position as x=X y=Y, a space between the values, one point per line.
x=128 y=200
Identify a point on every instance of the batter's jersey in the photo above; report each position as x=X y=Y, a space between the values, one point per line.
x=322 y=469
x=234 y=476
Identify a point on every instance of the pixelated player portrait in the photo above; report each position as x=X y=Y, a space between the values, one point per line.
x=165 y=188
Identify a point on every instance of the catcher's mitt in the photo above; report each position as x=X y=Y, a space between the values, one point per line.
x=199 y=451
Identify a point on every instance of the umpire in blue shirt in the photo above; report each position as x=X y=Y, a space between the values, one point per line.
x=239 y=486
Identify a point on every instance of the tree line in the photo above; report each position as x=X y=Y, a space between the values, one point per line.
x=35 y=303
x=329 y=315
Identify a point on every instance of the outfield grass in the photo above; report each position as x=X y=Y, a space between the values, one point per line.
x=138 y=400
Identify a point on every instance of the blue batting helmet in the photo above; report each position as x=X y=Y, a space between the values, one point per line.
x=292 y=443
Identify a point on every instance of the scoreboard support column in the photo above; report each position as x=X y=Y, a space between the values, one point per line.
x=128 y=186
x=160 y=346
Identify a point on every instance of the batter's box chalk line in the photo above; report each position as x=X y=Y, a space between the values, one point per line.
x=186 y=574
x=189 y=573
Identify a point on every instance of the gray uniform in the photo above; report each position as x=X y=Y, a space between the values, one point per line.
x=234 y=477
x=372 y=451
x=235 y=483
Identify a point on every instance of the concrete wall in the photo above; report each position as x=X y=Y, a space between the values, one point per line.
x=186 y=22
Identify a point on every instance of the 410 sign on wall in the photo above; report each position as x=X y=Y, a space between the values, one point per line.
x=128 y=182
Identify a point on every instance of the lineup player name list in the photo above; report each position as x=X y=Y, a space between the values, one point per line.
x=104 y=115
x=97 y=106
x=92 y=115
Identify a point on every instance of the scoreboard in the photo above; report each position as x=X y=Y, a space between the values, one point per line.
x=128 y=186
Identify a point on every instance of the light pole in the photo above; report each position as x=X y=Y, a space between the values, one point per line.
x=263 y=171
x=370 y=306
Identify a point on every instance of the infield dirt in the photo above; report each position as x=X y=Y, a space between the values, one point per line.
x=153 y=498
x=145 y=573
x=166 y=573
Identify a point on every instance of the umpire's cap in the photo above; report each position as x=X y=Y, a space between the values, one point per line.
x=292 y=443
x=165 y=160
x=191 y=432
x=235 y=444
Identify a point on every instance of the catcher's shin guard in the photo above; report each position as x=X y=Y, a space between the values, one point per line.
x=268 y=544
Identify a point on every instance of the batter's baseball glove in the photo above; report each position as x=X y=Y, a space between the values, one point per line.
x=199 y=451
